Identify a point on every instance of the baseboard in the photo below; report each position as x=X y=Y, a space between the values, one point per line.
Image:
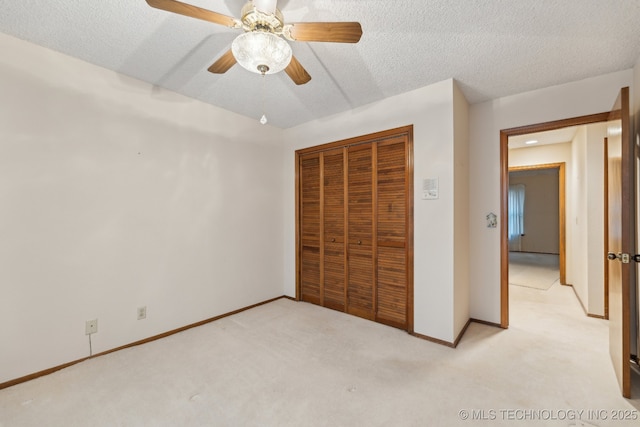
x=39 y=374
x=433 y=340
x=453 y=344
x=484 y=322
x=579 y=300
x=459 y=337
x=586 y=312
x=597 y=316
x=133 y=344
x=534 y=253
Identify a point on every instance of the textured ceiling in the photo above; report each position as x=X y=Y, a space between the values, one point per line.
x=557 y=136
x=493 y=48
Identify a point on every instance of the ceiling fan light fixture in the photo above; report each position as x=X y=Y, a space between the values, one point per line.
x=261 y=52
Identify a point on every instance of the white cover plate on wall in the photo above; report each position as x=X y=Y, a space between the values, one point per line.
x=430 y=189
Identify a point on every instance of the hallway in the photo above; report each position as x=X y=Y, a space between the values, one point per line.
x=533 y=270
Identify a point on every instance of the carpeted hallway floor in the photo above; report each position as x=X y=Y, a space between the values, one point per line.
x=533 y=270
x=295 y=364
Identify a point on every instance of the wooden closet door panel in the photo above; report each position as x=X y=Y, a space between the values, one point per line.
x=392 y=203
x=333 y=221
x=392 y=289
x=361 y=281
x=310 y=228
x=310 y=277
x=360 y=194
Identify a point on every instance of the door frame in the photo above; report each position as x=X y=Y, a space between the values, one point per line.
x=562 y=248
x=605 y=249
x=504 y=193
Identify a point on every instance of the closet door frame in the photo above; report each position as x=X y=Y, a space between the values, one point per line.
x=407 y=132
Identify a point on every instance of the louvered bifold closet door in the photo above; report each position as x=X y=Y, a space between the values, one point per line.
x=354 y=230
x=392 y=292
x=310 y=228
x=333 y=265
x=361 y=238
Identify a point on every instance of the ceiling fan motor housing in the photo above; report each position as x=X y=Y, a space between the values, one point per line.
x=256 y=20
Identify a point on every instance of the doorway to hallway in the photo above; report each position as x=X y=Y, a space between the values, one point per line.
x=619 y=225
x=521 y=136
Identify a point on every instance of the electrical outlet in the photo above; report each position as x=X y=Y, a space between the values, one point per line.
x=91 y=327
x=142 y=312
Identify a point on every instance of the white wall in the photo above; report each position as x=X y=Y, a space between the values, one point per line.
x=574 y=99
x=578 y=215
x=113 y=196
x=587 y=216
x=430 y=110
x=594 y=261
x=461 y=210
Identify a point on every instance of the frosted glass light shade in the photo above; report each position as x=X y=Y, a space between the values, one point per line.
x=255 y=49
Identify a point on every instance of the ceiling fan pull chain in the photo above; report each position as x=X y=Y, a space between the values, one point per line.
x=263 y=119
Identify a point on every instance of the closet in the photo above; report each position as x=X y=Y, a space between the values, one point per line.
x=354 y=228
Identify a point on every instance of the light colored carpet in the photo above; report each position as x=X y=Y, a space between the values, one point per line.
x=296 y=364
x=538 y=271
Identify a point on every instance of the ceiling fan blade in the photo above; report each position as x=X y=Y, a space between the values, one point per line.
x=338 y=32
x=223 y=63
x=195 y=12
x=297 y=72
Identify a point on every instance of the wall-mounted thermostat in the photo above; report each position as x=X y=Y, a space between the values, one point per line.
x=430 y=189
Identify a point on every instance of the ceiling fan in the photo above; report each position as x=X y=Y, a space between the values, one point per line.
x=261 y=48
